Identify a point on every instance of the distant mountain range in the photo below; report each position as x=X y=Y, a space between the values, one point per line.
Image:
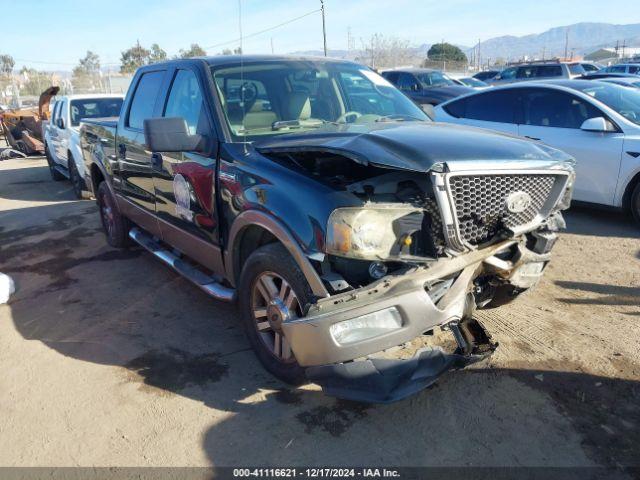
x=583 y=38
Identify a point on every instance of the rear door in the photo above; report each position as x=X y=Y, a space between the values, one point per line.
x=495 y=110
x=133 y=158
x=185 y=181
x=554 y=117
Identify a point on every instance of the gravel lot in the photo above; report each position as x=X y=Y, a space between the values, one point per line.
x=109 y=358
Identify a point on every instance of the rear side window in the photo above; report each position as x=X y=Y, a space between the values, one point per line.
x=144 y=99
x=548 y=71
x=508 y=74
x=391 y=76
x=634 y=69
x=618 y=69
x=488 y=107
x=551 y=108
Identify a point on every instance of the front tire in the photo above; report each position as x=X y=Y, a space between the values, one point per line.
x=116 y=227
x=635 y=203
x=273 y=290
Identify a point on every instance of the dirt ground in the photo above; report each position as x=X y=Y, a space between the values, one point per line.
x=108 y=358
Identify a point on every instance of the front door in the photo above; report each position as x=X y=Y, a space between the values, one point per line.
x=185 y=181
x=555 y=118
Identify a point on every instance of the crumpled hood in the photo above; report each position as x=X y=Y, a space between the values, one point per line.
x=416 y=146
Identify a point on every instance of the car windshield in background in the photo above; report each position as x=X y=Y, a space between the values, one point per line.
x=94 y=108
x=624 y=100
x=434 y=79
x=268 y=98
x=473 y=82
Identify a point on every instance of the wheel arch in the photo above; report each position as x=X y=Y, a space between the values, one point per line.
x=252 y=229
x=628 y=191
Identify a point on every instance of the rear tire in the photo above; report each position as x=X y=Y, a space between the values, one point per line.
x=55 y=174
x=635 y=203
x=271 y=272
x=74 y=176
x=116 y=227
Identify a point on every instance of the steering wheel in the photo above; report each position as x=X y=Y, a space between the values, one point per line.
x=349 y=117
x=248 y=92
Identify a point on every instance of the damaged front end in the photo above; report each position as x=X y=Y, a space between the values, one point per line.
x=420 y=251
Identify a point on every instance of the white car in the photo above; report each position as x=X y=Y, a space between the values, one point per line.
x=62 y=138
x=598 y=123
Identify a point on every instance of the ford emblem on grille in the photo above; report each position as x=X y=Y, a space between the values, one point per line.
x=518 y=202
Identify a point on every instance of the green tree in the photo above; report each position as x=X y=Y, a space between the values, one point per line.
x=194 y=50
x=133 y=58
x=6 y=64
x=446 y=52
x=33 y=81
x=86 y=75
x=157 y=54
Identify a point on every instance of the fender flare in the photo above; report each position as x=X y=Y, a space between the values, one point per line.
x=278 y=230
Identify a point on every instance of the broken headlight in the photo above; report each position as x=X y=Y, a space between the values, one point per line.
x=367 y=233
x=565 y=201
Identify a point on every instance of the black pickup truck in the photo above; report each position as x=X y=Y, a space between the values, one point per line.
x=341 y=219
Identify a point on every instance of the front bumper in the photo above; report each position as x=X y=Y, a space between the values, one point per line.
x=310 y=337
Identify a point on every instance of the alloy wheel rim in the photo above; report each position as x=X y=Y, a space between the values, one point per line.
x=107 y=215
x=274 y=302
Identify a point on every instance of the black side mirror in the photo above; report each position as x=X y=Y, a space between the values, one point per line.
x=60 y=123
x=170 y=134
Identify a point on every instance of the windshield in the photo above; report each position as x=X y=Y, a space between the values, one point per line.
x=94 y=108
x=624 y=100
x=271 y=98
x=434 y=79
x=473 y=82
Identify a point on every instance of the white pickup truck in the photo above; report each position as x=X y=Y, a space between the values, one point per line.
x=62 y=138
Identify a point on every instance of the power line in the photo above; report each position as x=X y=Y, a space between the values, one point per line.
x=263 y=31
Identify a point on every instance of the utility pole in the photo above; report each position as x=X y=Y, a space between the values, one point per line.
x=566 y=44
x=348 y=39
x=324 y=28
x=479 y=57
x=271 y=45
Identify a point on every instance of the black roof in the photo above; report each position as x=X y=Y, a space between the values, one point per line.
x=222 y=60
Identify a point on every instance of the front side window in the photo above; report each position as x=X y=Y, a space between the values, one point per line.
x=271 y=98
x=497 y=106
x=94 y=108
x=434 y=79
x=634 y=69
x=618 y=69
x=144 y=99
x=508 y=74
x=552 y=108
x=576 y=69
x=623 y=100
x=185 y=100
x=407 y=82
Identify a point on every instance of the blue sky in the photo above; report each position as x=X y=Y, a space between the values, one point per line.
x=66 y=29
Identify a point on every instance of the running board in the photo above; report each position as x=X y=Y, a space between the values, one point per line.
x=203 y=281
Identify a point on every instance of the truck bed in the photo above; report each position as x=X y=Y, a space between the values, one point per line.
x=98 y=140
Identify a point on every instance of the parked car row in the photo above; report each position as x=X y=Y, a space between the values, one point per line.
x=597 y=122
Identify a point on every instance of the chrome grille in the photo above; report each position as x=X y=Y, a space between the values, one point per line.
x=480 y=202
x=432 y=209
